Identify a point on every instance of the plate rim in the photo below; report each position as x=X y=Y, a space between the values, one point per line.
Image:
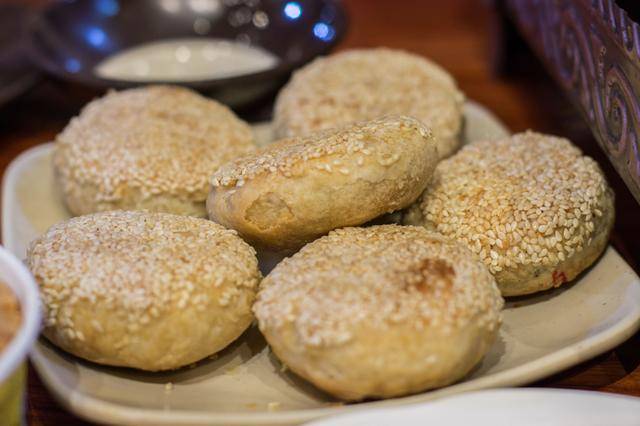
x=95 y=409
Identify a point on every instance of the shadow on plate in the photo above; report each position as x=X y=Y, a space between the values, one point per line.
x=247 y=346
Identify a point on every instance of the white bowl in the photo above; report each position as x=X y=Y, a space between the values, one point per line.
x=12 y=359
x=505 y=407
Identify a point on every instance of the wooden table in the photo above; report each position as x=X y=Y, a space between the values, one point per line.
x=460 y=35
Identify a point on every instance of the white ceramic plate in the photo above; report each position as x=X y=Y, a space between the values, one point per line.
x=505 y=407
x=541 y=335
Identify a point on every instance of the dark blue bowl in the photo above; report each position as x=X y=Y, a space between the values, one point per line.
x=69 y=38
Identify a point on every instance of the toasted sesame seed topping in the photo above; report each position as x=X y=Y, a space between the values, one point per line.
x=365 y=84
x=273 y=406
x=529 y=199
x=144 y=264
x=157 y=139
x=380 y=276
x=324 y=148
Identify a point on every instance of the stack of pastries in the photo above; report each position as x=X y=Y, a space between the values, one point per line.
x=173 y=198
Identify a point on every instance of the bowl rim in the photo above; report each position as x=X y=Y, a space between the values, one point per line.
x=18 y=278
x=90 y=79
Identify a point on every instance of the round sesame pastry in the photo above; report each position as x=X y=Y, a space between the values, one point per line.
x=150 y=148
x=531 y=206
x=298 y=189
x=153 y=291
x=365 y=84
x=380 y=311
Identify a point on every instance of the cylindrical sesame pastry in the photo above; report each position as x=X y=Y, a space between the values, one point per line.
x=152 y=291
x=531 y=206
x=301 y=188
x=151 y=148
x=380 y=311
x=365 y=84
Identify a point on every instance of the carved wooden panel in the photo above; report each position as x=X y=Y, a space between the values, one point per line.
x=592 y=48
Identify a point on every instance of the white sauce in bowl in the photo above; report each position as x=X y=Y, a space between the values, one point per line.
x=190 y=59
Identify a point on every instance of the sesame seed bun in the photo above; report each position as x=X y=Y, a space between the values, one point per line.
x=531 y=206
x=152 y=148
x=301 y=188
x=152 y=291
x=365 y=84
x=380 y=311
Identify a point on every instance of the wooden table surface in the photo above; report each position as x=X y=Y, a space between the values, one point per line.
x=460 y=35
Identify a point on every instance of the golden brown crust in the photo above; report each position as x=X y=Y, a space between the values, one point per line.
x=531 y=206
x=301 y=188
x=120 y=288
x=148 y=148
x=365 y=84
x=379 y=311
x=539 y=278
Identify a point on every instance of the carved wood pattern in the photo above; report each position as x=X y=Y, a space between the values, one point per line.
x=592 y=48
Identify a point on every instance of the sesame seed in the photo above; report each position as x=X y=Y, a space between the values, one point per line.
x=273 y=406
x=287 y=156
x=381 y=276
x=145 y=264
x=365 y=84
x=155 y=140
x=523 y=189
